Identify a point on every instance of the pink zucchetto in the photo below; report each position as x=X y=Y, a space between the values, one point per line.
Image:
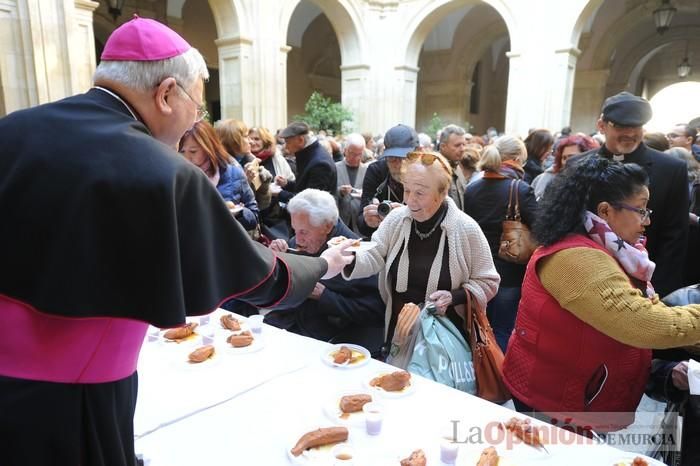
x=143 y=39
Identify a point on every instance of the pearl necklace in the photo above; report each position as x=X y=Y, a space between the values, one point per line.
x=432 y=230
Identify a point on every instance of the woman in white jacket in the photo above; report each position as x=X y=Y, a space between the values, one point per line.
x=427 y=250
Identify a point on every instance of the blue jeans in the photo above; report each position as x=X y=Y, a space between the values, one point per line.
x=501 y=311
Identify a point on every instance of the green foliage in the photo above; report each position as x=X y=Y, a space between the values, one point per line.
x=435 y=125
x=321 y=113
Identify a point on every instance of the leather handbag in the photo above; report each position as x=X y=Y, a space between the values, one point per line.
x=517 y=243
x=486 y=354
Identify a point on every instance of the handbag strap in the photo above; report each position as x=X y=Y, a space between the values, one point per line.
x=510 y=214
x=514 y=186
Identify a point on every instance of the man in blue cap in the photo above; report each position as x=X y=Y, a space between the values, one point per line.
x=383 y=179
x=621 y=122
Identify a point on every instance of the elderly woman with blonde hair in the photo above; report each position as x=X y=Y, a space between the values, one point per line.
x=427 y=250
x=486 y=201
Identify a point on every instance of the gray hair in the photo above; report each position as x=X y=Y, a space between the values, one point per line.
x=142 y=76
x=354 y=140
x=503 y=148
x=319 y=205
x=448 y=131
x=425 y=142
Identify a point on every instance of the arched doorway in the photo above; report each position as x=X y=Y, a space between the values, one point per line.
x=313 y=63
x=621 y=50
x=676 y=103
x=463 y=70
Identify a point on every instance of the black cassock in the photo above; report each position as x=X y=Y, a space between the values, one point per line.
x=99 y=219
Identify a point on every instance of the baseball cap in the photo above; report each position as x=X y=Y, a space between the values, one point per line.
x=626 y=109
x=295 y=128
x=399 y=141
x=143 y=39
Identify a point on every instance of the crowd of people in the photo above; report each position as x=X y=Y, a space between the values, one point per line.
x=136 y=233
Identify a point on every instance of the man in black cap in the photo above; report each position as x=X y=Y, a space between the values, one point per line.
x=383 y=178
x=621 y=122
x=315 y=166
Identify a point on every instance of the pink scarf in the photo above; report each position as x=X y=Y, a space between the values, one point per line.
x=633 y=258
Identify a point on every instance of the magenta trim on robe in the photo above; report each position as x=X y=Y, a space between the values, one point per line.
x=39 y=346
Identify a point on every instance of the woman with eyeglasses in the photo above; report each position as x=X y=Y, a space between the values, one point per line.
x=427 y=250
x=588 y=316
x=202 y=147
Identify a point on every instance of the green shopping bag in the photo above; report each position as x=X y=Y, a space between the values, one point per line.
x=440 y=353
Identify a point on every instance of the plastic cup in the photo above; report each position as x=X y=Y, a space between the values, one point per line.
x=374 y=415
x=255 y=323
x=343 y=455
x=448 y=451
x=204 y=320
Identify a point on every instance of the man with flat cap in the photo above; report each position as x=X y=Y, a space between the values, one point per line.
x=621 y=122
x=315 y=166
x=106 y=229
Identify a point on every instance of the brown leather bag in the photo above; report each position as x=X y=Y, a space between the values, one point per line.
x=517 y=243
x=486 y=354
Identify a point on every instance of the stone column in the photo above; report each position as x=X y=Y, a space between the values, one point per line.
x=404 y=96
x=82 y=48
x=16 y=67
x=354 y=81
x=589 y=96
x=235 y=78
x=561 y=88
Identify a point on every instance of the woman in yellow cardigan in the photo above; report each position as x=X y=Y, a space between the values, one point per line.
x=588 y=317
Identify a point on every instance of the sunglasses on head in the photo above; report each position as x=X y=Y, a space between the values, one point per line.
x=427 y=158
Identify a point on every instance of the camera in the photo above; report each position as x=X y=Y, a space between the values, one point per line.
x=384 y=208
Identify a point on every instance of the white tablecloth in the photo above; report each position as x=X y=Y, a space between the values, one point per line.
x=292 y=396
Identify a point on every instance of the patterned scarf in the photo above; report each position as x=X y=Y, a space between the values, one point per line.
x=633 y=258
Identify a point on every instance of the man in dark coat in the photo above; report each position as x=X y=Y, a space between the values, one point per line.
x=315 y=166
x=106 y=229
x=621 y=122
x=351 y=311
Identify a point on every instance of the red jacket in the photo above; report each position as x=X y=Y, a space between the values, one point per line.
x=555 y=361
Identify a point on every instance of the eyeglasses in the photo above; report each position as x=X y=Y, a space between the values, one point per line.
x=644 y=213
x=427 y=158
x=202 y=112
x=673 y=135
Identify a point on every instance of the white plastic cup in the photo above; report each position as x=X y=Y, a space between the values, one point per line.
x=343 y=455
x=449 y=450
x=204 y=320
x=374 y=415
x=255 y=323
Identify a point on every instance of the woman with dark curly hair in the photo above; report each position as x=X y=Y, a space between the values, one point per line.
x=589 y=317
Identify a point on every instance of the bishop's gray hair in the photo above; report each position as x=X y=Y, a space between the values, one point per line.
x=319 y=205
x=143 y=76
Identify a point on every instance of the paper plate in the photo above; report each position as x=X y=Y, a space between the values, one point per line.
x=317 y=456
x=257 y=345
x=332 y=409
x=362 y=354
x=364 y=246
x=625 y=458
x=407 y=390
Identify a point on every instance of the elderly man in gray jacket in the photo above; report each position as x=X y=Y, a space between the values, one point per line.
x=351 y=175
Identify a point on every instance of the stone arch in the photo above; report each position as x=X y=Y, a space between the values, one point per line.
x=428 y=16
x=584 y=19
x=345 y=19
x=628 y=69
x=455 y=41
